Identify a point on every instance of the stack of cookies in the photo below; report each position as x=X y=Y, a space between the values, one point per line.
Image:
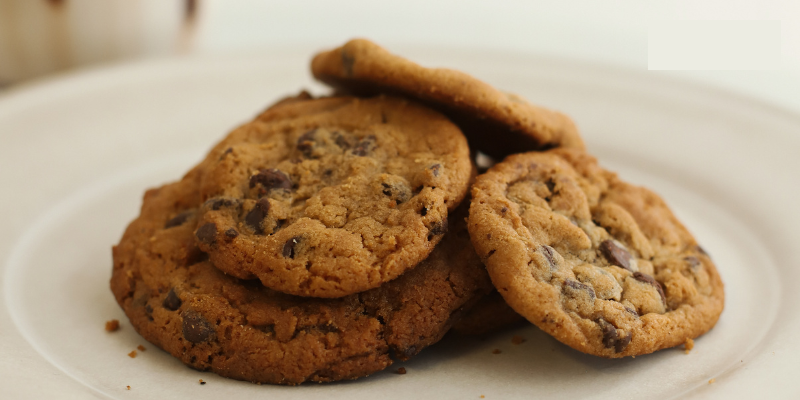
x=332 y=235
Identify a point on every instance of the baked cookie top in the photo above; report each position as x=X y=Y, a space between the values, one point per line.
x=332 y=196
x=496 y=123
x=176 y=299
x=601 y=265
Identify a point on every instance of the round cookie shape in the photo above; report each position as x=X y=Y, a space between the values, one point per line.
x=496 y=123
x=601 y=265
x=333 y=196
x=176 y=299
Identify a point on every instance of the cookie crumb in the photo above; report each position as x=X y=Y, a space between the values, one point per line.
x=689 y=345
x=496 y=351
x=483 y=397
x=202 y=382
x=141 y=348
x=401 y=371
x=112 y=326
x=129 y=388
x=712 y=380
x=517 y=339
x=132 y=354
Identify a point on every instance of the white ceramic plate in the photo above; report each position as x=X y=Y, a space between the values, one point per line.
x=79 y=151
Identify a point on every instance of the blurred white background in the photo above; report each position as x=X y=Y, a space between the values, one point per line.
x=40 y=37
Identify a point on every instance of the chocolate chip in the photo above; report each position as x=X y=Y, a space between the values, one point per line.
x=575 y=285
x=172 y=302
x=178 y=220
x=692 y=261
x=399 y=192
x=347 y=63
x=435 y=169
x=550 y=254
x=231 y=233
x=504 y=210
x=207 y=233
x=216 y=204
x=623 y=342
x=149 y=311
x=227 y=151
x=364 y=146
x=615 y=254
x=306 y=143
x=271 y=179
x=437 y=229
x=701 y=250
x=341 y=141
x=195 y=328
x=632 y=311
x=550 y=186
x=288 y=247
x=423 y=211
x=652 y=281
x=611 y=337
x=255 y=218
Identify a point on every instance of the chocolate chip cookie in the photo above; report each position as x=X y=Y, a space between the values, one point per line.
x=601 y=265
x=176 y=299
x=333 y=196
x=496 y=123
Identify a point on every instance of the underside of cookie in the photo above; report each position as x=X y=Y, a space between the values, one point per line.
x=177 y=299
x=330 y=197
x=603 y=266
x=496 y=123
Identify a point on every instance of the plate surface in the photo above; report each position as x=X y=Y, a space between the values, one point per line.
x=726 y=165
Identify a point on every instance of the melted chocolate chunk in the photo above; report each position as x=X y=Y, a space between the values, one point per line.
x=289 y=246
x=437 y=229
x=306 y=143
x=195 y=328
x=653 y=282
x=207 y=233
x=435 y=169
x=178 y=220
x=255 y=218
x=172 y=302
x=216 y=204
x=231 y=233
x=550 y=254
x=615 y=254
x=364 y=146
x=611 y=337
x=400 y=193
x=575 y=285
x=271 y=179
x=341 y=141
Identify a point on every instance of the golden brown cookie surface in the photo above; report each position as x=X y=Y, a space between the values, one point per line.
x=602 y=265
x=176 y=299
x=334 y=196
x=495 y=122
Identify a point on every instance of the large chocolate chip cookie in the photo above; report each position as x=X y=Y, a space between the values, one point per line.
x=601 y=265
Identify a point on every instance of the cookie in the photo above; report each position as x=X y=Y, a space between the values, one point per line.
x=491 y=314
x=496 y=123
x=333 y=196
x=176 y=299
x=601 y=265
